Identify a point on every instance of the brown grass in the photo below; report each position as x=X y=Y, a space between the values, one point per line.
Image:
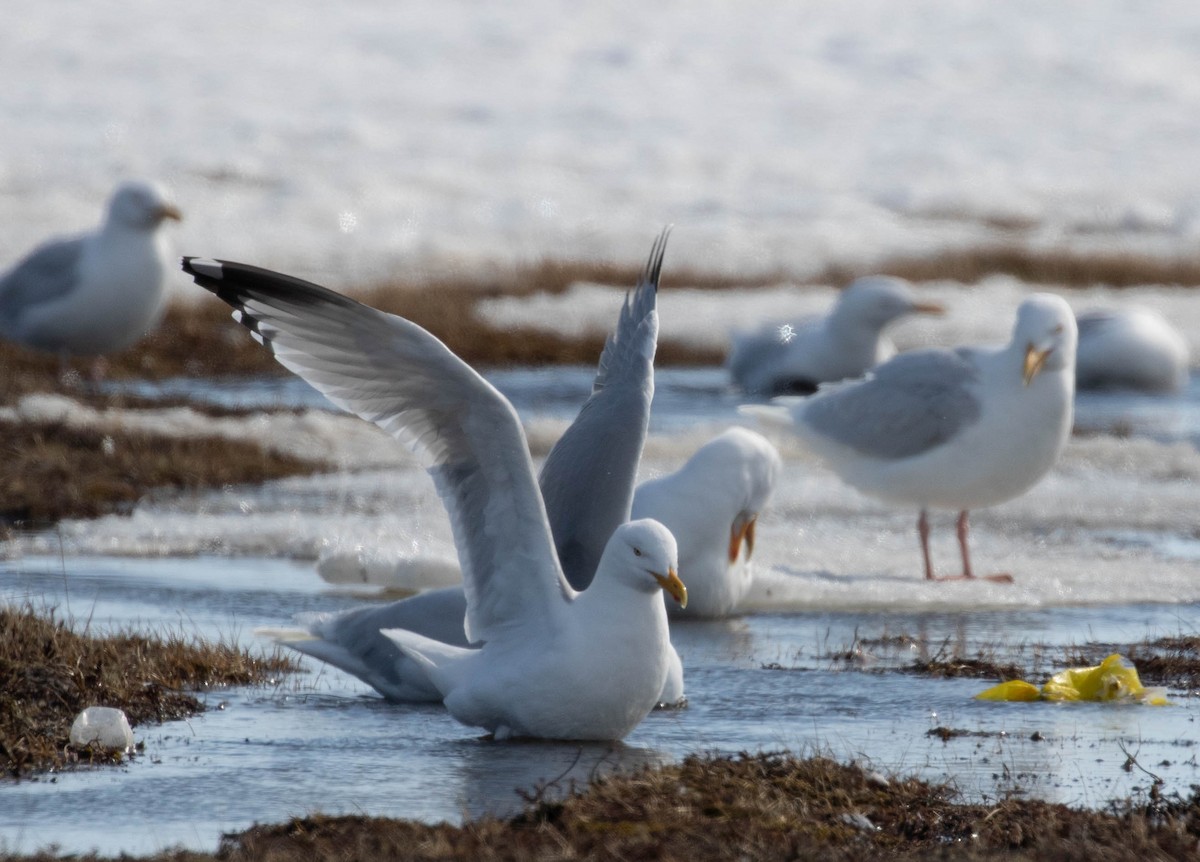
x=199 y=339
x=50 y=471
x=49 y=673
x=1033 y=266
x=754 y=807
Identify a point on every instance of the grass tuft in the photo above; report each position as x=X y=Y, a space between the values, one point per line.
x=49 y=673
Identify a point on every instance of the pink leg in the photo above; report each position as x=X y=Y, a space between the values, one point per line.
x=923 y=532
x=964 y=533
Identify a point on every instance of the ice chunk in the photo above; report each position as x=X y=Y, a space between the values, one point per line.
x=103 y=725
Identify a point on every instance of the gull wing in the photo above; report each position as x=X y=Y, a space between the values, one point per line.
x=589 y=476
x=49 y=272
x=903 y=408
x=392 y=372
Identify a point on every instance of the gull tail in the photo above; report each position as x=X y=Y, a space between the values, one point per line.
x=307 y=642
x=442 y=662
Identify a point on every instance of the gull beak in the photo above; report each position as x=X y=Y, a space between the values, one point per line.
x=935 y=308
x=1034 y=360
x=170 y=211
x=741 y=530
x=672 y=585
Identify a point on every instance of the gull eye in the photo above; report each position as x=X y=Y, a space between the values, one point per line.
x=1057 y=330
x=637 y=552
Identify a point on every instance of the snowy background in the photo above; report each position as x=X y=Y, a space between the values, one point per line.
x=348 y=141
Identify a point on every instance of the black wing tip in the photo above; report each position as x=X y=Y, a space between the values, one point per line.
x=202 y=267
x=654 y=264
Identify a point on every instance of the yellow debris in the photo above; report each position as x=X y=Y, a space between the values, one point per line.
x=1114 y=679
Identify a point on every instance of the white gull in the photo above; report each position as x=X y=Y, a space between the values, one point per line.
x=949 y=429
x=96 y=293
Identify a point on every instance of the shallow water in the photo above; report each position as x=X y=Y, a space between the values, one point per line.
x=321 y=741
x=1104 y=550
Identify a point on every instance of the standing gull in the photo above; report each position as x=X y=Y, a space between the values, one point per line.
x=587 y=484
x=96 y=293
x=1131 y=348
x=950 y=429
x=783 y=358
x=711 y=505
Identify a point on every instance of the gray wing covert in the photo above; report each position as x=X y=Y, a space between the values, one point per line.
x=49 y=272
x=906 y=407
x=1094 y=322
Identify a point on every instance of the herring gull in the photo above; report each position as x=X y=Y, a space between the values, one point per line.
x=96 y=293
x=796 y=357
x=519 y=605
x=587 y=484
x=711 y=505
x=949 y=429
x=1130 y=348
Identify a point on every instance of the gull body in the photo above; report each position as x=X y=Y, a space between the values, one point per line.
x=391 y=372
x=795 y=358
x=1130 y=348
x=522 y=683
x=950 y=429
x=711 y=505
x=96 y=293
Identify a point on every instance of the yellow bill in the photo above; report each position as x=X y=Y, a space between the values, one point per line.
x=1034 y=360
x=741 y=531
x=672 y=585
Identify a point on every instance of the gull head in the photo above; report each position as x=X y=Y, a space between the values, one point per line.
x=1047 y=334
x=141 y=205
x=647 y=558
x=741 y=466
x=877 y=300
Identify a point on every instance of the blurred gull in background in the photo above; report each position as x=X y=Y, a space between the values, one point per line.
x=96 y=293
x=794 y=358
x=949 y=429
x=1130 y=348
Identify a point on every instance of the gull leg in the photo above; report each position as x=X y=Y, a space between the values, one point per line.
x=964 y=533
x=923 y=532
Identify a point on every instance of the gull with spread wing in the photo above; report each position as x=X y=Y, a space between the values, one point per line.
x=602 y=656
x=587 y=484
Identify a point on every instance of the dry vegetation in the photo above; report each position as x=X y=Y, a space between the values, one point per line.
x=754 y=807
x=49 y=673
x=199 y=338
x=50 y=471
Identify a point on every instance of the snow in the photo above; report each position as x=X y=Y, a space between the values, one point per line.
x=345 y=143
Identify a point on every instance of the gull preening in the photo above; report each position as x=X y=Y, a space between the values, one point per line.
x=711 y=506
x=1130 y=348
x=949 y=429
x=796 y=357
x=607 y=647
x=95 y=293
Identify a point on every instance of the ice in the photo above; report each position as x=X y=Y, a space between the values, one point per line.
x=103 y=726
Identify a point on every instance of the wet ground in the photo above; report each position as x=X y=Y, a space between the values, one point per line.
x=838 y=575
